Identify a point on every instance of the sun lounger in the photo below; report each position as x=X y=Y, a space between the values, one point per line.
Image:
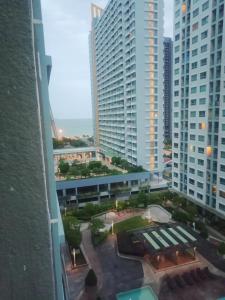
x=187 y=278
x=179 y=281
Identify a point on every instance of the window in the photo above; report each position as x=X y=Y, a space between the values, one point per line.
x=177 y=48
x=191 y=170
x=176 y=71
x=177 y=25
x=194 y=65
x=192 y=125
x=202 y=88
x=203 y=48
x=222 y=168
x=191 y=192
x=194 y=52
x=199 y=196
x=193 y=114
x=195 y=12
x=193 y=101
x=222 y=154
x=202 y=101
x=192 y=137
x=205 y=5
x=195 y=26
x=192 y=159
x=201 y=150
x=205 y=20
x=222 y=181
x=176 y=93
x=200 y=173
x=191 y=181
x=200 y=185
x=201 y=138
x=203 y=75
x=194 y=77
x=177 y=37
x=195 y=39
x=177 y=59
x=200 y=162
x=193 y=90
x=203 y=62
x=221 y=206
x=204 y=34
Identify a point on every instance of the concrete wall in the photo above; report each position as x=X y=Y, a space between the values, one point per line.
x=28 y=265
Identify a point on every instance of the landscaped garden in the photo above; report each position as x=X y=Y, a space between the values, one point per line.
x=130 y=224
x=84 y=170
x=125 y=165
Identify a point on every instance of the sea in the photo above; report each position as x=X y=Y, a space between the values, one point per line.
x=75 y=127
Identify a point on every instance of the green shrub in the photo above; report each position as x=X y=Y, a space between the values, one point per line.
x=221 y=248
x=91 y=279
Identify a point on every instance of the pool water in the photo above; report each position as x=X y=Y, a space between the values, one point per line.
x=145 y=293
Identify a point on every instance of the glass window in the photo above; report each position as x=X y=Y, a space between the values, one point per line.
x=203 y=62
x=202 y=101
x=204 y=34
x=194 y=90
x=195 y=12
x=202 y=88
x=205 y=20
x=195 y=39
x=205 y=5
x=194 y=77
x=204 y=48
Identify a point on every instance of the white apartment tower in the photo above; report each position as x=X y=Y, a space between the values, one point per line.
x=199 y=102
x=126 y=58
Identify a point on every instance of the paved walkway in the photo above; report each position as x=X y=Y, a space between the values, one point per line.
x=93 y=259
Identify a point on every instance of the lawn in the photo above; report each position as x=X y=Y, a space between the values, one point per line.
x=132 y=223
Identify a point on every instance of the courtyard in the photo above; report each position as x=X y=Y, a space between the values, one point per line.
x=164 y=249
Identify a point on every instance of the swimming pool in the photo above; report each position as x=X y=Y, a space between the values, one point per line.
x=145 y=293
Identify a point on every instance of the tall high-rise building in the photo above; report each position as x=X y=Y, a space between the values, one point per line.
x=30 y=221
x=168 y=60
x=126 y=57
x=199 y=102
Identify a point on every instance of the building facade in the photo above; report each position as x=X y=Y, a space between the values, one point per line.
x=168 y=60
x=30 y=220
x=199 y=102
x=126 y=58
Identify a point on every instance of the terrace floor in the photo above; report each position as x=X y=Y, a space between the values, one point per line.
x=210 y=289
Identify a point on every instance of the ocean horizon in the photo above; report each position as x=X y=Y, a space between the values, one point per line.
x=75 y=127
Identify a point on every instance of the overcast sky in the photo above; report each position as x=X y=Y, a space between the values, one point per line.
x=66 y=25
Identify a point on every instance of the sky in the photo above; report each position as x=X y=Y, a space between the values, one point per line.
x=66 y=25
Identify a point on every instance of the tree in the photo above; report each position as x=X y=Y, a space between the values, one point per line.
x=91 y=279
x=116 y=160
x=78 y=143
x=94 y=164
x=57 y=144
x=72 y=231
x=96 y=225
x=142 y=198
x=221 y=248
x=85 y=172
x=63 y=167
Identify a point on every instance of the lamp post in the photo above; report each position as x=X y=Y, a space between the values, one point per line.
x=112 y=227
x=74 y=257
x=65 y=211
